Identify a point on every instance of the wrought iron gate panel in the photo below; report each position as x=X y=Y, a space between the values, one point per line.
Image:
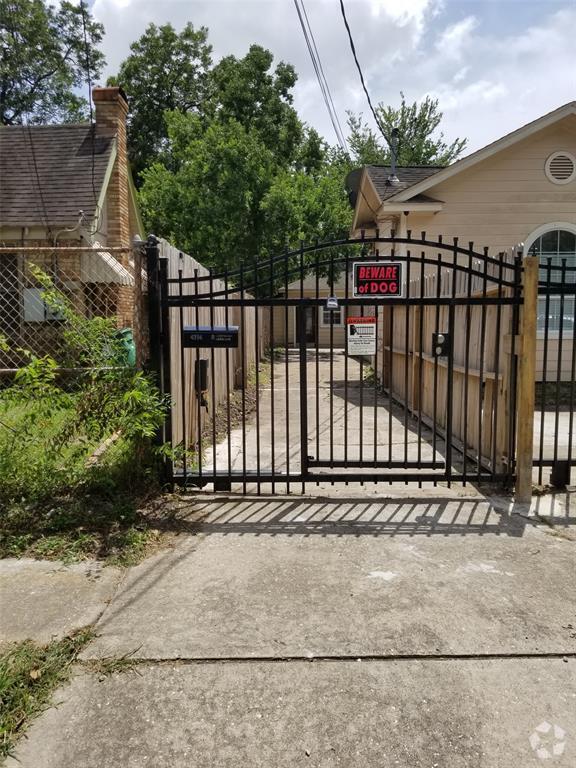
x=430 y=399
x=555 y=439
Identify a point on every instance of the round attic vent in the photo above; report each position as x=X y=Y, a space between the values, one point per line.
x=561 y=168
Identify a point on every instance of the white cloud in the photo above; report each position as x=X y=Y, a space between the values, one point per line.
x=405 y=12
x=488 y=81
x=502 y=82
x=452 y=41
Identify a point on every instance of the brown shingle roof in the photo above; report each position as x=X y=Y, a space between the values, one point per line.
x=62 y=184
x=379 y=175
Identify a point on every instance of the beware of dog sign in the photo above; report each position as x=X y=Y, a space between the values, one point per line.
x=377 y=279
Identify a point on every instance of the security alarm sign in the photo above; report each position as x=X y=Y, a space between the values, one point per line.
x=377 y=279
x=361 y=335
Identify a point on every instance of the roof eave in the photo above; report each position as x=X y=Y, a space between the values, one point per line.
x=393 y=206
x=485 y=152
x=362 y=197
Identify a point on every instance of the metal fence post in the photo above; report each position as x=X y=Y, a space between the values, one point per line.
x=156 y=269
x=526 y=380
x=152 y=259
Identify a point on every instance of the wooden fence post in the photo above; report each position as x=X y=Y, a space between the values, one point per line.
x=526 y=380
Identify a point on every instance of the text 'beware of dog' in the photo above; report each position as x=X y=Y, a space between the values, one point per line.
x=377 y=279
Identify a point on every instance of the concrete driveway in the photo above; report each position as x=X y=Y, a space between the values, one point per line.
x=348 y=419
x=429 y=629
x=362 y=626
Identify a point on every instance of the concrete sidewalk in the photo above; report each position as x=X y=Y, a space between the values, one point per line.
x=45 y=600
x=426 y=630
x=413 y=714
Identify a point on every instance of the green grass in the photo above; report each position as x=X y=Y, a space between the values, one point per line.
x=54 y=506
x=29 y=674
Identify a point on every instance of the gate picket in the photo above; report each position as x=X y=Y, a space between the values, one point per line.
x=290 y=405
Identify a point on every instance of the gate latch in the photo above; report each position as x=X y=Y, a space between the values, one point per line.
x=201 y=381
x=440 y=344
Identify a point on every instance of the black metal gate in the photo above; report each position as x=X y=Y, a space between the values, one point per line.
x=555 y=436
x=380 y=359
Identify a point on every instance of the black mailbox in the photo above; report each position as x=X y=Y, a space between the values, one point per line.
x=210 y=336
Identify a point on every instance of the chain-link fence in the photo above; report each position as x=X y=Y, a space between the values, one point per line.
x=94 y=282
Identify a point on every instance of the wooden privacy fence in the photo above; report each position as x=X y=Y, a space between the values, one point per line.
x=224 y=375
x=468 y=392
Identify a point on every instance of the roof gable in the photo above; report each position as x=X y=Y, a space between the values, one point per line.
x=488 y=151
x=46 y=173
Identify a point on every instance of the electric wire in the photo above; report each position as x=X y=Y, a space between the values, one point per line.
x=318 y=69
x=92 y=124
x=341 y=132
x=353 y=48
x=44 y=212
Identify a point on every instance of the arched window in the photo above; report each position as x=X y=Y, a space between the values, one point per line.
x=555 y=246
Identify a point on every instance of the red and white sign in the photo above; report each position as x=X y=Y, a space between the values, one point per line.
x=377 y=279
x=361 y=335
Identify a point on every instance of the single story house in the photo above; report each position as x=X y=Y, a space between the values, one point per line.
x=65 y=187
x=520 y=189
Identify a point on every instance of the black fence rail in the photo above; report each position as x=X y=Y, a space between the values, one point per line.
x=554 y=420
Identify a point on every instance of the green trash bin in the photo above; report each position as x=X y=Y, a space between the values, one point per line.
x=127 y=346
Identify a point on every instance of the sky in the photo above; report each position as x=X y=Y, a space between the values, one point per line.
x=494 y=65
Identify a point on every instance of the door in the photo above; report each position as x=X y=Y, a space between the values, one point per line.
x=310 y=326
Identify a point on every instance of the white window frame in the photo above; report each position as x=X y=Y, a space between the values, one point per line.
x=338 y=311
x=553 y=226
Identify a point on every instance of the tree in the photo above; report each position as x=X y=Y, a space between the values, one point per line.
x=209 y=200
x=247 y=91
x=418 y=143
x=46 y=54
x=302 y=206
x=165 y=71
x=242 y=176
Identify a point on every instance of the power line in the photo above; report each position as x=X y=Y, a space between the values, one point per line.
x=353 y=48
x=89 y=82
x=319 y=70
x=343 y=143
x=44 y=211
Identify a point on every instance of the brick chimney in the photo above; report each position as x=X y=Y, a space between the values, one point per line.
x=111 y=108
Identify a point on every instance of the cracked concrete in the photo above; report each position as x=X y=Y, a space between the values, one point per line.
x=42 y=600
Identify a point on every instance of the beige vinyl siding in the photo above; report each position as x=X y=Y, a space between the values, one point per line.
x=500 y=201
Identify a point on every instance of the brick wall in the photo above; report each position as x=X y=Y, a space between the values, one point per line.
x=111 y=112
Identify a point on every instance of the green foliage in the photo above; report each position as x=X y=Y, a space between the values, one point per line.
x=231 y=172
x=418 y=142
x=48 y=435
x=44 y=60
x=210 y=203
x=165 y=71
x=249 y=92
x=29 y=674
x=304 y=206
x=225 y=200
x=88 y=342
